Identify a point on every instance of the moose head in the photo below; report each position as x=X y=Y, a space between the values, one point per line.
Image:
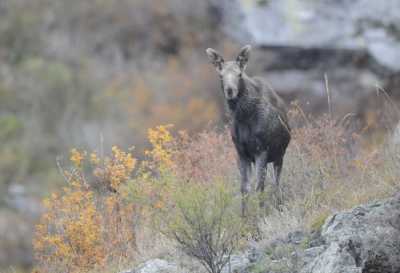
x=231 y=72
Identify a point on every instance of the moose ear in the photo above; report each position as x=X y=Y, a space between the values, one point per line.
x=215 y=58
x=243 y=57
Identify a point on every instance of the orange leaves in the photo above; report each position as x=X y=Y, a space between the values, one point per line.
x=111 y=171
x=118 y=168
x=83 y=227
x=94 y=159
x=92 y=220
x=161 y=140
x=70 y=230
x=76 y=157
x=112 y=202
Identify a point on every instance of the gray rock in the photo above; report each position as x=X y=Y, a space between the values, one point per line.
x=155 y=266
x=254 y=254
x=296 y=237
x=311 y=253
x=355 y=43
x=355 y=25
x=365 y=239
x=238 y=264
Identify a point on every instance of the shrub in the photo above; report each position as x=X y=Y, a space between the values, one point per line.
x=70 y=231
x=206 y=157
x=187 y=188
x=205 y=223
x=87 y=223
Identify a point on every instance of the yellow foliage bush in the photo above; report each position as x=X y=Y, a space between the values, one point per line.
x=91 y=222
x=151 y=188
x=111 y=203
x=70 y=230
x=87 y=223
x=161 y=153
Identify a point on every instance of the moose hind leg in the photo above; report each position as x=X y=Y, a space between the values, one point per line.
x=277 y=170
x=261 y=172
x=244 y=168
x=277 y=175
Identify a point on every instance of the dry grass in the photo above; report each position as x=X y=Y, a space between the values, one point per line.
x=326 y=169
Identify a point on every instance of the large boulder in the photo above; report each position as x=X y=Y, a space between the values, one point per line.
x=355 y=43
x=365 y=239
x=354 y=25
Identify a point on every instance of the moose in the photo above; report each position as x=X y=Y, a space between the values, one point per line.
x=259 y=127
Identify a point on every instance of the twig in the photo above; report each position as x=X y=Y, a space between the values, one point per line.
x=60 y=168
x=380 y=89
x=328 y=93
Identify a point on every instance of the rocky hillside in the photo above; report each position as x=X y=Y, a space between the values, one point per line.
x=365 y=239
x=355 y=43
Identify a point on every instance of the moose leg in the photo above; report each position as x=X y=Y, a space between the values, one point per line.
x=277 y=175
x=277 y=170
x=244 y=168
x=261 y=169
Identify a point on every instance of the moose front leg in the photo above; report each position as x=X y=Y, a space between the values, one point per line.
x=244 y=168
x=261 y=172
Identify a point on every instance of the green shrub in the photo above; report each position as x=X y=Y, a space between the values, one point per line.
x=205 y=223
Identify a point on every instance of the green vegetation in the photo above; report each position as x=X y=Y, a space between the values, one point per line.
x=178 y=198
x=319 y=221
x=205 y=222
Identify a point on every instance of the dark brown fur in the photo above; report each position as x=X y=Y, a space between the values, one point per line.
x=259 y=127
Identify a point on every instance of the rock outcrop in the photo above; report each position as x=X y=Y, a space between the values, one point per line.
x=365 y=239
x=355 y=43
x=353 y=25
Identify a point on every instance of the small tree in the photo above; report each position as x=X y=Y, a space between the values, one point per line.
x=205 y=223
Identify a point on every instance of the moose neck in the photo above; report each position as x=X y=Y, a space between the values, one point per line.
x=233 y=104
x=242 y=107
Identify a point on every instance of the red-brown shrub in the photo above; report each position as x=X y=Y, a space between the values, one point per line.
x=205 y=158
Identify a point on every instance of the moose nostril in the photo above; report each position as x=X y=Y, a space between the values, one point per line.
x=229 y=91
